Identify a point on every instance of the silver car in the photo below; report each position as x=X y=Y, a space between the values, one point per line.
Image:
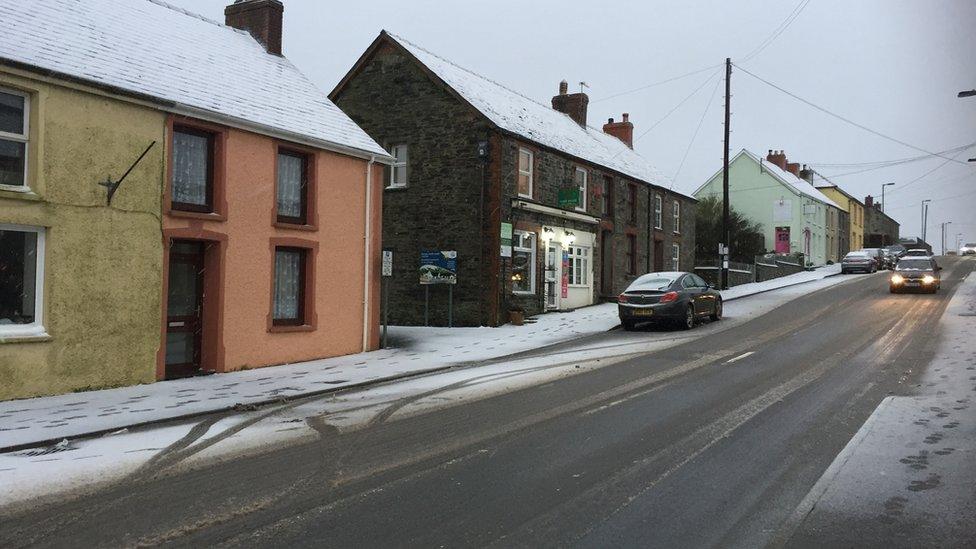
x=858 y=262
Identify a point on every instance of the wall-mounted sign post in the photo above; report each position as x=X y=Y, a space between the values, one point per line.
x=506 y=240
x=438 y=267
x=387 y=272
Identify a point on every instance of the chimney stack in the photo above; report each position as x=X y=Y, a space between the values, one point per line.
x=807 y=174
x=793 y=168
x=777 y=158
x=573 y=104
x=868 y=201
x=623 y=131
x=261 y=18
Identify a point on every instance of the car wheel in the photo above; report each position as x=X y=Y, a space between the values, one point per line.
x=689 y=320
x=628 y=325
x=717 y=312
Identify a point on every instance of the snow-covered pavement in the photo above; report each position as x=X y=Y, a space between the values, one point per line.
x=416 y=351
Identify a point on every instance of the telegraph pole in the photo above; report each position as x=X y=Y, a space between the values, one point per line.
x=725 y=177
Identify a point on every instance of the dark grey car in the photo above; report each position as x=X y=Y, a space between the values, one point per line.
x=919 y=274
x=675 y=297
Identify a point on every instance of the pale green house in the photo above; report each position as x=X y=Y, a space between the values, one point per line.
x=768 y=191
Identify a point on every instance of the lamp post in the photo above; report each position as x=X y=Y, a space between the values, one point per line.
x=924 y=215
x=882 y=194
x=969 y=93
x=944 y=225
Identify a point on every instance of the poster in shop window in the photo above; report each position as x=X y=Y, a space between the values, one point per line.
x=438 y=267
x=565 y=281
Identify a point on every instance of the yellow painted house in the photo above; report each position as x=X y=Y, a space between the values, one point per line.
x=79 y=277
x=851 y=205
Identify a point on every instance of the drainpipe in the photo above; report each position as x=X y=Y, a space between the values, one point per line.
x=366 y=250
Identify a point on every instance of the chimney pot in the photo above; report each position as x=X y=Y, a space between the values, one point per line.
x=261 y=18
x=626 y=117
x=610 y=120
x=563 y=87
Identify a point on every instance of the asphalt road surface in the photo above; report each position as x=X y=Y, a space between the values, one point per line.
x=710 y=443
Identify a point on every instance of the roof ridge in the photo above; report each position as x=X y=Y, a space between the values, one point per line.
x=188 y=13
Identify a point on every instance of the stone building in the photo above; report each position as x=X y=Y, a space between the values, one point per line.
x=879 y=228
x=544 y=211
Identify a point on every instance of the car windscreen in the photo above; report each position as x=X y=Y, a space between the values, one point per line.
x=856 y=255
x=651 y=282
x=914 y=265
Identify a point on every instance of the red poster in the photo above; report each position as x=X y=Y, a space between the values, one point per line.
x=565 y=284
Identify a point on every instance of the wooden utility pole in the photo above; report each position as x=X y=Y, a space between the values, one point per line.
x=725 y=177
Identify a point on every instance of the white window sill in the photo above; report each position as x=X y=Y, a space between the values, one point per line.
x=394 y=187
x=583 y=286
x=522 y=292
x=528 y=196
x=16 y=189
x=10 y=333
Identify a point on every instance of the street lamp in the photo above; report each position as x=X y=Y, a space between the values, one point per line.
x=969 y=93
x=924 y=212
x=882 y=194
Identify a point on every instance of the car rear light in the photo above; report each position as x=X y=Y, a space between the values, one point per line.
x=928 y=279
x=622 y=298
x=669 y=297
x=897 y=279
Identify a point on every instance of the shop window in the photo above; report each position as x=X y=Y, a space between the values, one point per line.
x=289 y=286
x=14 y=119
x=192 y=170
x=579 y=265
x=292 y=187
x=525 y=173
x=21 y=280
x=523 y=262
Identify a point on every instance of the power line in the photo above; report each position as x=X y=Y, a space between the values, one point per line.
x=902 y=187
x=879 y=162
x=779 y=30
x=665 y=81
x=676 y=107
x=695 y=136
x=847 y=120
x=907 y=161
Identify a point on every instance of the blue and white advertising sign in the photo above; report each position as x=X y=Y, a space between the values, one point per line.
x=438 y=267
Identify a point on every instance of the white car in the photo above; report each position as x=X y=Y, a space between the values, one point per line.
x=968 y=249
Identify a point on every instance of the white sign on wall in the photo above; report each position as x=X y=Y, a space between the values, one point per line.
x=782 y=210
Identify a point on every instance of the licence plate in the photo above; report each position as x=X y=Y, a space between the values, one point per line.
x=643 y=312
x=912 y=284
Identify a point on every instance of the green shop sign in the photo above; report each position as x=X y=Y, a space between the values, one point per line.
x=569 y=197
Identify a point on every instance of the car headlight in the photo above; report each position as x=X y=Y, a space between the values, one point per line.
x=928 y=279
x=897 y=279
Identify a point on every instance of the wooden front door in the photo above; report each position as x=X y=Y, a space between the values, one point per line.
x=184 y=308
x=782 y=240
x=658 y=256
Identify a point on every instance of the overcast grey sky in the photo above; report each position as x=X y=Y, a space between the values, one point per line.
x=894 y=66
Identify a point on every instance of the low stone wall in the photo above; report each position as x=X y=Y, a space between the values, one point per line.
x=770 y=268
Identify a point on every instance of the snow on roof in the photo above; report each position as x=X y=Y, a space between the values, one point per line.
x=537 y=122
x=151 y=48
x=801 y=186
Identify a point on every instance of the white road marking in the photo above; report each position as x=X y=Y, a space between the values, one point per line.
x=740 y=357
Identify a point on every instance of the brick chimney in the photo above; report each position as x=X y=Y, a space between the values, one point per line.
x=793 y=168
x=806 y=174
x=261 y=18
x=868 y=201
x=573 y=104
x=777 y=158
x=623 y=130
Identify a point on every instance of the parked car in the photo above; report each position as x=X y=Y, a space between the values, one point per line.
x=876 y=254
x=858 y=262
x=968 y=249
x=889 y=259
x=674 y=297
x=918 y=252
x=897 y=249
x=916 y=273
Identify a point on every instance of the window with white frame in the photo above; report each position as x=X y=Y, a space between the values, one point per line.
x=525 y=173
x=658 y=212
x=523 y=262
x=579 y=265
x=21 y=280
x=14 y=131
x=398 y=171
x=676 y=212
x=580 y=179
x=675 y=257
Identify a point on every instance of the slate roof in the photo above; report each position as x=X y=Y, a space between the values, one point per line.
x=536 y=122
x=792 y=182
x=186 y=62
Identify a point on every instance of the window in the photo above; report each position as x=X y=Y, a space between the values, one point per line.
x=289 y=287
x=21 y=280
x=632 y=254
x=525 y=173
x=14 y=119
x=292 y=188
x=398 y=172
x=676 y=212
x=675 y=257
x=523 y=262
x=193 y=170
x=632 y=202
x=580 y=179
x=579 y=265
x=658 y=212
x=606 y=207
